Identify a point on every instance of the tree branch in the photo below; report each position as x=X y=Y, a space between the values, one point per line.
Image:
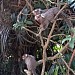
x=55 y=56
x=45 y=47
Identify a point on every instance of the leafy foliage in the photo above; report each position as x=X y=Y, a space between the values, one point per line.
x=56 y=69
x=70 y=38
x=20 y=25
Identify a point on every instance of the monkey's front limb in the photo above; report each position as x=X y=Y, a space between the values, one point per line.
x=27 y=72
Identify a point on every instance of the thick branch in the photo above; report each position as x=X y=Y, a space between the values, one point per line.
x=45 y=47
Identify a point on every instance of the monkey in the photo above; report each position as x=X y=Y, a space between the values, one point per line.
x=37 y=13
x=30 y=62
x=44 y=17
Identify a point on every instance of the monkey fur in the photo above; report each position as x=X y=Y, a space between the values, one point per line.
x=30 y=62
x=44 y=17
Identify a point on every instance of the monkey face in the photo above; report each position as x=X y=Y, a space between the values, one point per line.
x=39 y=19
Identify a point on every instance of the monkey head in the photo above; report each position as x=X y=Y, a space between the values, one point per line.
x=24 y=56
x=37 y=11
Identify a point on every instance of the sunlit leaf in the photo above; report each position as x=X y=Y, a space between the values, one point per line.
x=56 y=70
x=68 y=38
x=23 y=16
x=71 y=43
x=46 y=73
x=51 y=70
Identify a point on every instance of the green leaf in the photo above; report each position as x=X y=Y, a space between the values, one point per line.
x=74 y=39
x=39 y=4
x=71 y=43
x=56 y=70
x=73 y=65
x=62 y=70
x=46 y=73
x=73 y=30
x=29 y=22
x=67 y=57
x=51 y=70
x=68 y=38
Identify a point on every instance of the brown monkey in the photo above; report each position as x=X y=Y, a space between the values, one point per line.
x=37 y=13
x=30 y=62
x=44 y=17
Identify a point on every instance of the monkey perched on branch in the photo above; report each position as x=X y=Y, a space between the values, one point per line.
x=44 y=17
x=30 y=62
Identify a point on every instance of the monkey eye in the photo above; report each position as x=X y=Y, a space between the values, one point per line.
x=26 y=55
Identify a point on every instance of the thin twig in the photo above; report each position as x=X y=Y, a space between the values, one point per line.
x=73 y=54
x=31 y=8
x=29 y=30
x=58 y=5
x=2 y=6
x=20 y=14
x=52 y=2
x=43 y=37
x=42 y=42
x=49 y=36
